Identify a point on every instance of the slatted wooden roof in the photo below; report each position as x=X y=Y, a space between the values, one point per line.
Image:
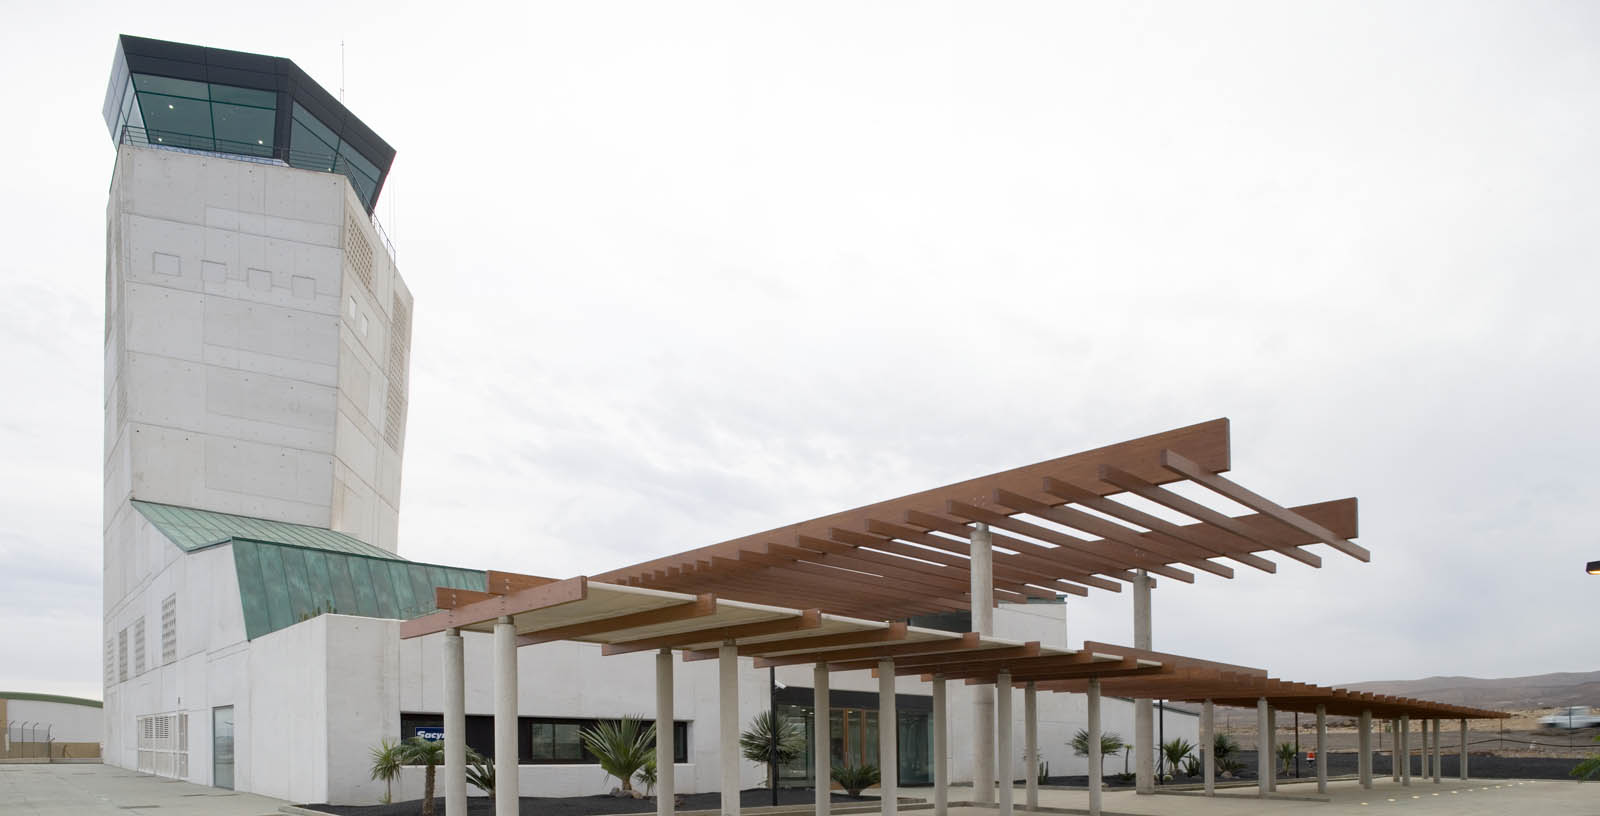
x=624 y=619
x=1063 y=526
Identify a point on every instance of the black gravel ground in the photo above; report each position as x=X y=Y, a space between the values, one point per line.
x=591 y=805
x=1481 y=766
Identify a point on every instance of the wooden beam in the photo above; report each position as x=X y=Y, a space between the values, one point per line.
x=967 y=641
x=1157 y=525
x=452 y=598
x=896 y=630
x=1004 y=563
x=1110 y=531
x=488 y=609
x=1109 y=553
x=1173 y=501
x=700 y=607
x=1056 y=559
x=505 y=583
x=1183 y=466
x=807 y=619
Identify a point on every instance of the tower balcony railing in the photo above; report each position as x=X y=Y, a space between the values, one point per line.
x=280 y=155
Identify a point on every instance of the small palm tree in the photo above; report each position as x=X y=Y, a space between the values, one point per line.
x=1286 y=756
x=1176 y=751
x=647 y=775
x=855 y=778
x=418 y=751
x=386 y=766
x=1110 y=743
x=768 y=732
x=621 y=747
x=480 y=772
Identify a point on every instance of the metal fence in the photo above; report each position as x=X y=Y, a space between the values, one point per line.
x=27 y=740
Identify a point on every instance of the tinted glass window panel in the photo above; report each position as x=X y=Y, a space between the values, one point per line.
x=176 y=121
x=308 y=151
x=544 y=742
x=244 y=96
x=170 y=87
x=569 y=747
x=315 y=125
x=243 y=130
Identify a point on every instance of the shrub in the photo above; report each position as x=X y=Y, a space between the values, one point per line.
x=1192 y=767
x=621 y=746
x=1110 y=743
x=1589 y=768
x=768 y=732
x=1286 y=755
x=1176 y=752
x=647 y=775
x=855 y=778
x=480 y=772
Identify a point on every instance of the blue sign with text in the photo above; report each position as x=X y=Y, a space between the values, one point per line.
x=431 y=733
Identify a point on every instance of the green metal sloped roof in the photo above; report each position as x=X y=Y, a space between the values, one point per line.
x=291 y=572
x=192 y=529
x=281 y=584
x=51 y=698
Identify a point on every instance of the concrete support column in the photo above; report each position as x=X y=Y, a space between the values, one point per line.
x=728 y=725
x=1208 y=745
x=455 y=725
x=1092 y=714
x=1464 y=750
x=941 y=748
x=982 y=602
x=1030 y=743
x=1005 y=743
x=888 y=731
x=507 y=793
x=1272 y=748
x=821 y=725
x=1322 y=749
x=1263 y=753
x=1403 y=748
x=1144 y=728
x=1364 y=747
x=666 y=782
x=1394 y=748
x=1438 y=757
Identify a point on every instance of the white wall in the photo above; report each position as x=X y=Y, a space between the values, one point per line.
x=68 y=722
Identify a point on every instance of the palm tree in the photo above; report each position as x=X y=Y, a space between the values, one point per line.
x=418 y=751
x=480 y=771
x=1175 y=752
x=621 y=747
x=767 y=732
x=386 y=766
x=1110 y=743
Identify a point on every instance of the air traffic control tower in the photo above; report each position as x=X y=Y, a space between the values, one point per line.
x=257 y=345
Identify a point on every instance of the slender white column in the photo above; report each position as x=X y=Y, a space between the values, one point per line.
x=1364 y=747
x=1463 y=750
x=507 y=793
x=1144 y=728
x=1092 y=714
x=1263 y=749
x=982 y=603
x=821 y=723
x=1404 y=748
x=1394 y=747
x=666 y=782
x=1208 y=745
x=1030 y=742
x=888 y=731
x=728 y=725
x=1004 y=743
x=941 y=748
x=455 y=725
x=1322 y=749
x=1438 y=756
x=1272 y=748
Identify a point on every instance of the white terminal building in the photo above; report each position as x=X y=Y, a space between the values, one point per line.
x=257 y=347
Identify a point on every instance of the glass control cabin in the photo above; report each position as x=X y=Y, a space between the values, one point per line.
x=190 y=97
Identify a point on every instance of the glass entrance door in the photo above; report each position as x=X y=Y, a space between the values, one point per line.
x=222 y=747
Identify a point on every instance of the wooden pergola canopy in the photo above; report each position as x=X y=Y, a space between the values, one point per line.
x=1056 y=529
x=625 y=619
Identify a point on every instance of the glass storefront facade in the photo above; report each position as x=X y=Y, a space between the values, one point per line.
x=853 y=735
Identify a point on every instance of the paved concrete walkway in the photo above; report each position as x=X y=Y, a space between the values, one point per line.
x=1485 y=797
x=59 y=790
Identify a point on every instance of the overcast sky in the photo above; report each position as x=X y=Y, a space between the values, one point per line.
x=686 y=271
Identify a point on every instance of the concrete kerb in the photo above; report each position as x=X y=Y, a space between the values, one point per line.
x=781 y=810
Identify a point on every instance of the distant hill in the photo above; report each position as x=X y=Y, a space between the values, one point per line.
x=1537 y=691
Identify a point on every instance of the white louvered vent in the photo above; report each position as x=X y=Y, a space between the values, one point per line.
x=111 y=662
x=164 y=745
x=169 y=629
x=138 y=647
x=358 y=250
x=122 y=656
x=394 y=421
